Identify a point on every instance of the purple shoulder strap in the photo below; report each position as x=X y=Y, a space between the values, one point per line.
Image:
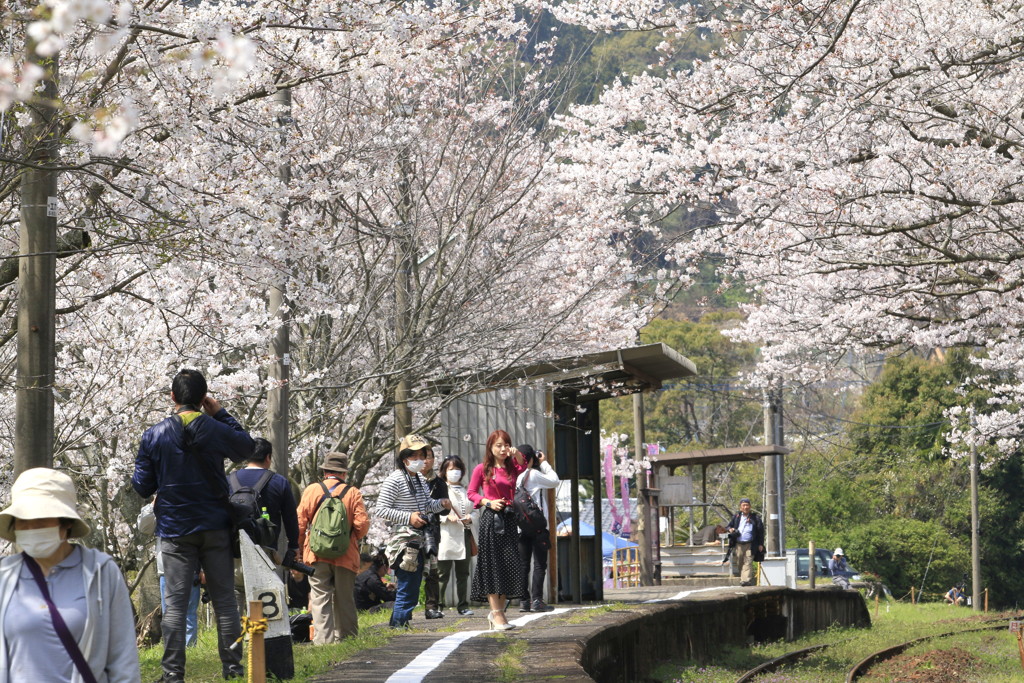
x=58 y=622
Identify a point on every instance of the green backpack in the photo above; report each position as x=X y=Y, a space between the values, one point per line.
x=331 y=530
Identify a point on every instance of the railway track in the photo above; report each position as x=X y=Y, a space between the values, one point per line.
x=863 y=666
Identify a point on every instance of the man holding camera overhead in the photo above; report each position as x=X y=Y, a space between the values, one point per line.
x=331 y=599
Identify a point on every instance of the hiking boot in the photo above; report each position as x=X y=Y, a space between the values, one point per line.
x=540 y=606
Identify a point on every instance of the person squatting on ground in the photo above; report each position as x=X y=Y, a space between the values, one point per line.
x=332 y=585
x=404 y=502
x=278 y=501
x=536 y=479
x=746 y=539
x=181 y=459
x=455 y=552
x=431 y=580
x=88 y=628
x=837 y=568
x=372 y=594
x=498 y=574
x=146 y=523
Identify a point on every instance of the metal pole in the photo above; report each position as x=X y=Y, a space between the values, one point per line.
x=280 y=346
x=780 y=473
x=37 y=288
x=403 y=295
x=975 y=525
x=770 y=481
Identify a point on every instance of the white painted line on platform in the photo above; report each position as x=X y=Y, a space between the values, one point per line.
x=431 y=658
x=680 y=596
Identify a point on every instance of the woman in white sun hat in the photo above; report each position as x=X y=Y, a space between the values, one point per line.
x=65 y=614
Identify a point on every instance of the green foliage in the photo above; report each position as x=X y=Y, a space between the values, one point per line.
x=907 y=552
x=709 y=410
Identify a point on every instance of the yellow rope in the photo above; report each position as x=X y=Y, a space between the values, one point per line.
x=251 y=627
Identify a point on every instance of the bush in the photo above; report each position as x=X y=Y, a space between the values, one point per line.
x=902 y=551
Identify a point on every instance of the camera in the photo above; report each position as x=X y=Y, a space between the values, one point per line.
x=290 y=562
x=431 y=534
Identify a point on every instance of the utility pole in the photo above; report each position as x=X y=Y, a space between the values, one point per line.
x=771 y=504
x=404 y=255
x=975 y=527
x=644 y=534
x=280 y=345
x=33 y=412
x=779 y=436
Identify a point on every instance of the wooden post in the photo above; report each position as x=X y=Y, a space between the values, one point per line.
x=912 y=596
x=986 y=599
x=812 y=565
x=877 y=601
x=257 y=657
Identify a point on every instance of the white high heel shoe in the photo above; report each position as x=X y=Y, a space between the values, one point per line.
x=495 y=626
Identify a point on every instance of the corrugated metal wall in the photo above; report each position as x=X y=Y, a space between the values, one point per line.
x=520 y=411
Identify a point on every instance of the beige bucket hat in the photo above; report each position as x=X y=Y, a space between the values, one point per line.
x=40 y=493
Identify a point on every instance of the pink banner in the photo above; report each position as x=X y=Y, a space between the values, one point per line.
x=609 y=485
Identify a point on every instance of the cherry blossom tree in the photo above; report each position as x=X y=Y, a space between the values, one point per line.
x=863 y=160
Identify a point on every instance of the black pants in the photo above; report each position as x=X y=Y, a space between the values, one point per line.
x=535 y=547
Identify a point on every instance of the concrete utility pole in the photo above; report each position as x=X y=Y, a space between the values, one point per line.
x=33 y=421
x=975 y=531
x=780 y=472
x=643 y=533
x=771 y=503
x=280 y=346
x=404 y=255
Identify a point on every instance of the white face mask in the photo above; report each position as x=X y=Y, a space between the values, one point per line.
x=415 y=466
x=454 y=476
x=39 y=543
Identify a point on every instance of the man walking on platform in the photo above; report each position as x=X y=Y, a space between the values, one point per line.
x=181 y=458
x=746 y=539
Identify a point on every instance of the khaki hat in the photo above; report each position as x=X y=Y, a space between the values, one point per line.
x=41 y=493
x=335 y=462
x=412 y=442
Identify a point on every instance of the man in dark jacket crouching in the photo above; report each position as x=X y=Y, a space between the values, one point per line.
x=182 y=459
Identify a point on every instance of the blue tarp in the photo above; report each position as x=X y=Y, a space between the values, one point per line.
x=609 y=542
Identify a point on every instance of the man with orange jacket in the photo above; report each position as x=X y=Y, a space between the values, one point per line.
x=331 y=598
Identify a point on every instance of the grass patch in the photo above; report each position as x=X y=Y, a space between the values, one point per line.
x=582 y=616
x=203 y=662
x=510 y=662
x=899 y=623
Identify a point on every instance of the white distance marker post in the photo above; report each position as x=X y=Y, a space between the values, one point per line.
x=262 y=584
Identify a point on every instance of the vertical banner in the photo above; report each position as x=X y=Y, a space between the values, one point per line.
x=609 y=485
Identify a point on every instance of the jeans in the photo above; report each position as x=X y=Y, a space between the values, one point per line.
x=191 y=615
x=407 y=594
x=535 y=547
x=183 y=556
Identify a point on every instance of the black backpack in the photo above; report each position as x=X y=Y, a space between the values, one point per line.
x=248 y=510
x=529 y=516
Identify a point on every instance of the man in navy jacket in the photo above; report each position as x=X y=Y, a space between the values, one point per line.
x=181 y=458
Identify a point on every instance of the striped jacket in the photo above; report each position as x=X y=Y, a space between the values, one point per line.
x=401 y=494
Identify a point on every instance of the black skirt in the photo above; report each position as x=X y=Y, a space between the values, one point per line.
x=497 y=562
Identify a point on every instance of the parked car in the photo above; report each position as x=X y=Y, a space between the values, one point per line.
x=822 y=556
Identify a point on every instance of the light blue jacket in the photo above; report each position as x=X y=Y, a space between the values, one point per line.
x=109 y=641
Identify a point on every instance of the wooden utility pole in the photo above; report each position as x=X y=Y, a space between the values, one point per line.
x=404 y=257
x=771 y=504
x=33 y=420
x=644 y=534
x=280 y=345
x=975 y=527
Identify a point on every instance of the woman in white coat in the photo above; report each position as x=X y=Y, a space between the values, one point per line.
x=456 y=549
x=537 y=478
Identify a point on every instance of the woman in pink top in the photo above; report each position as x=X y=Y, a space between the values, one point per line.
x=498 y=574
